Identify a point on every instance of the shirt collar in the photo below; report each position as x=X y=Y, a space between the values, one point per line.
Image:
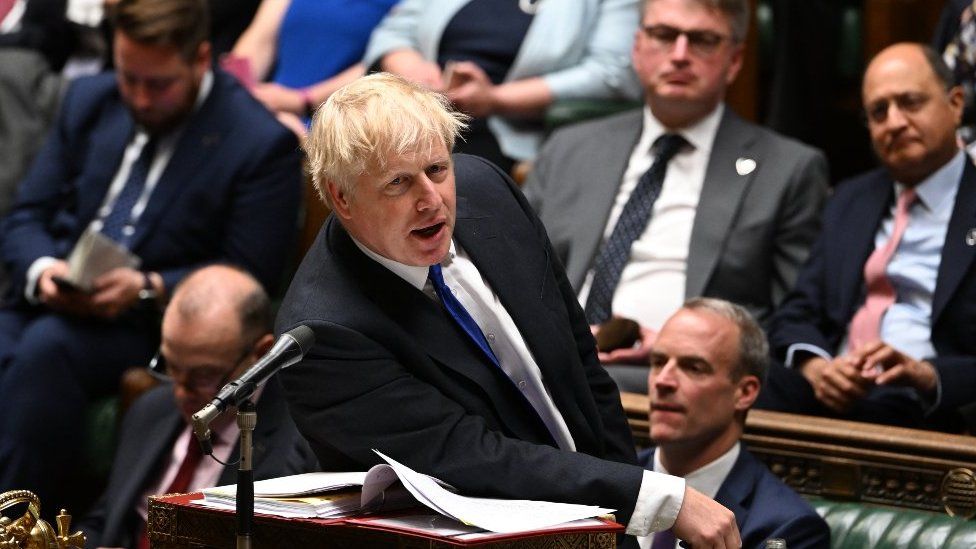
x=413 y=275
x=701 y=135
x=707 y=479
x=938 y=191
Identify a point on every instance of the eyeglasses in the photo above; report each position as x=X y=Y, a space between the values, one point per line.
x=700 y=42
x=199 y=379
x=908 y=103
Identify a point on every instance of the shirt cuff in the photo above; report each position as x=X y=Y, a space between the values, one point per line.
x=658 y=503
x=33 y=275
x=805 y=348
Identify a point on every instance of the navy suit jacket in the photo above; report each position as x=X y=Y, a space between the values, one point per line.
x=146 y=439
x=764 y=507
x=830 y=287
x=390 y=370
x=230 y=192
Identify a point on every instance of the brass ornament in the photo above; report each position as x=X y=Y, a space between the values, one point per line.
x=29 y=531
x=959 y=493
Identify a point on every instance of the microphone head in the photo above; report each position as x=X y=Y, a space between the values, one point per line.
x=303 y=336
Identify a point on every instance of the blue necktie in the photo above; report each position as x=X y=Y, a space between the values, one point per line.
x=459 y=313
x=113 y=224
x=631 y=224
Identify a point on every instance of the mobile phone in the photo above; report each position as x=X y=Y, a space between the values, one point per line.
x=64 y=285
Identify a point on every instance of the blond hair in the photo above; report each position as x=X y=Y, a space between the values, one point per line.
x=367 y=122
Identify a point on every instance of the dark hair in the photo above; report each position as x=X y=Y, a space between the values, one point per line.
x=179 y=24
x=253 y=304
x=737 y=12
x=939 y=67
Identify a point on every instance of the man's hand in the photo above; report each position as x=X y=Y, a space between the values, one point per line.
x=639 y=354
x=838 y=384
x=473 y=92
x=885 y=365
x=704 y=524
x=116 y=292
x=70 y=302
x=279 y=98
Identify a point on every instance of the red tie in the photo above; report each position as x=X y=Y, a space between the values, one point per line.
x=5 y=7
x=181 y=483
x=866 y=324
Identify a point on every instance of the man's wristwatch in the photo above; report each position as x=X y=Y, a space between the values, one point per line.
x=148 y=291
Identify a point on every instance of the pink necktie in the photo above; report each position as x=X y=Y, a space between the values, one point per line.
x=866 y=324
x=5 y=7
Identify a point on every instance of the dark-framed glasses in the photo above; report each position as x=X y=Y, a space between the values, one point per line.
x=202 y=379
x=908 y=103
x=700 y=42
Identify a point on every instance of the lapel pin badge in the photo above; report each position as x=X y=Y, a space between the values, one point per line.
x=971 y=237
x=744 y=166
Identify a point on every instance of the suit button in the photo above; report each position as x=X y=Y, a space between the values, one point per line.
x=128 y=230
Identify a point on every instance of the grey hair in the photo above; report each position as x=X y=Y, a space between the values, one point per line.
x=753 y=348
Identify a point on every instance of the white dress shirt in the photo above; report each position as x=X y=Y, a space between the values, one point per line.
x=652 y=284
x=660 y=495
x=707 y=480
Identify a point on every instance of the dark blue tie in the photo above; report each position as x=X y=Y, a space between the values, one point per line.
x=631 y=224
x=113 y=224
x=458 y=312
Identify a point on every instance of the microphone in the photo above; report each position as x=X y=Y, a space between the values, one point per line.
x=288 y=350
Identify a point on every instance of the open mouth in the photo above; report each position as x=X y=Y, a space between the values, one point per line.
x=428 y=232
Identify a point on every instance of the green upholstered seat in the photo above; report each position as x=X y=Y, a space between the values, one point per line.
x=867 y=526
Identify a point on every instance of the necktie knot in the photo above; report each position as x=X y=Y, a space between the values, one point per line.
x=666 y=146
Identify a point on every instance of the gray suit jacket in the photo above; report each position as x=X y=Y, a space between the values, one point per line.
x=751 y=232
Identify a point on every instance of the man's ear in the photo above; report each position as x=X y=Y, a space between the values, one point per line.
x=264 y=344
x=746 y=393
x=340 y=201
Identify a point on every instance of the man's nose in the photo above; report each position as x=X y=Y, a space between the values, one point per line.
x=680 y=50
x=429 y=198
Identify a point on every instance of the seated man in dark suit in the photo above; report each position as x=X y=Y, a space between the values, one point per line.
x=173 y=161
x=882 y=324
x=447 y=335
x=729 y=211
x=217 y=325
x=707 y=368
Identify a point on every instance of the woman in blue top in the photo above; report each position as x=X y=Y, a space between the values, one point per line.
x=306 y=49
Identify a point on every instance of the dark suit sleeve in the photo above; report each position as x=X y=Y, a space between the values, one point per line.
x=799 y=222
x=262 y=216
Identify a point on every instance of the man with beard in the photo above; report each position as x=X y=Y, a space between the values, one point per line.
x=172 y=161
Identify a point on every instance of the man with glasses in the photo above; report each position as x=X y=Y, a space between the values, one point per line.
x=881 y=324
x=217 y=325
x=682 y=198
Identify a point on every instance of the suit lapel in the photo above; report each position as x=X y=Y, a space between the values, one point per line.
x=108 y=146
x=431 y=328
x=600 y=187
x=483 y=239
x=739 y=484
x=957 y=253
x=196 y=146
x=861 y=223
x=721 y=196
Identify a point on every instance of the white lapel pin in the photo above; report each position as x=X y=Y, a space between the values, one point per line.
x=971 y=237
x=744 y=166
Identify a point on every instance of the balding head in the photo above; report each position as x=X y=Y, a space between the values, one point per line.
x=912 y=111
x=217 y=324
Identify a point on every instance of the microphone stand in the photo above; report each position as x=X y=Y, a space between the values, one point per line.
x=247 y=418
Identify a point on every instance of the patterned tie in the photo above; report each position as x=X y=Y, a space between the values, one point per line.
x=459 y=313
x=113 y=225
x=866 y=324
x=664 y=540
x=631 y=224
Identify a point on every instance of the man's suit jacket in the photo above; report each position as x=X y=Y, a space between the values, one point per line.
x=764 y=507
x=146 y=439
x=751 y=232
x=391 y=371
x=230 y=191
x=830 y=287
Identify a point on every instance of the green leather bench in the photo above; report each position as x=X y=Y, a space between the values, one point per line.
x=867 y=526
